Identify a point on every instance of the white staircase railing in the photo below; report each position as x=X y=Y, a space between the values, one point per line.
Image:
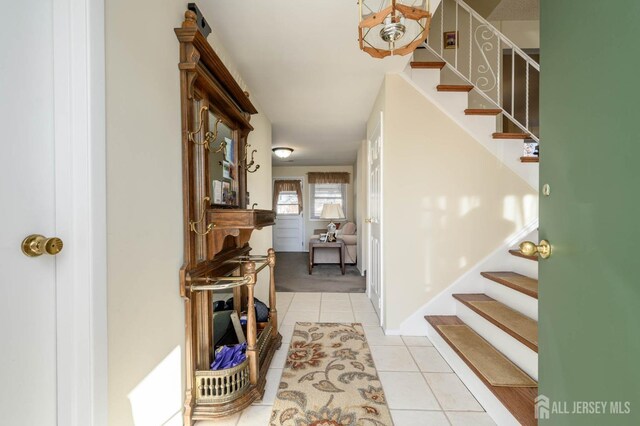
x=480 y=54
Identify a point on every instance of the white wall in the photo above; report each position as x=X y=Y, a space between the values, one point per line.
x=525 y=34
x=301 y=172
x=448 y=202
x=144 y=208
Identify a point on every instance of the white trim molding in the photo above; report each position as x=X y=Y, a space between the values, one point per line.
x=80 y=185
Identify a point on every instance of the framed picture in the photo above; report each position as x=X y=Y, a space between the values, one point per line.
x=230 y=150
x=226 y=170
x=450 y=39
x=225 y=192
x=323 y=238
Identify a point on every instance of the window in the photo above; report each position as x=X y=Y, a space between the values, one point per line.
x=327 y=193
x=288 y=203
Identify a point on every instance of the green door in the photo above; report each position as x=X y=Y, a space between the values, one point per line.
x=590 y=157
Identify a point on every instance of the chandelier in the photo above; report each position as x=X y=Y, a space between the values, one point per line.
x=392 y=27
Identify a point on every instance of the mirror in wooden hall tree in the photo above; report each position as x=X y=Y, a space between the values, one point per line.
x=223 y=163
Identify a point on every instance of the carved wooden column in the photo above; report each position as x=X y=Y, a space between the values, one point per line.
x=273 y=312
x=249 y=270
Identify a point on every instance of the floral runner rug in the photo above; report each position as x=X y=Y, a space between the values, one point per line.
x=330 y=380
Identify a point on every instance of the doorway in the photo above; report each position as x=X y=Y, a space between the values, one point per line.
x=375 y=282
x=289 y=230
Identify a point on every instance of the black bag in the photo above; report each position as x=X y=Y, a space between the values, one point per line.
x=262 y=310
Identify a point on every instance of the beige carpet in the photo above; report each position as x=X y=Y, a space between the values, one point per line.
x=490 y=363
x=330 y=380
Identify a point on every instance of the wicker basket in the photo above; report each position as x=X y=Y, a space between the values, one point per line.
x=220 y=386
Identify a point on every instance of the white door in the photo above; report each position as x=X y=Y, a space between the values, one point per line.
x=28 y=390
x=374 y=220
x=288 y=233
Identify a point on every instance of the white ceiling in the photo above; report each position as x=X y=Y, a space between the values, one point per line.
x=301 y=61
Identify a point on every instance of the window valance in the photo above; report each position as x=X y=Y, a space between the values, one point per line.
x=286 y=186
x=328 y=177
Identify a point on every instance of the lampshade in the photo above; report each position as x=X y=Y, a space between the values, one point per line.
x=282 y=152
x=332 y=211
x=393 y=27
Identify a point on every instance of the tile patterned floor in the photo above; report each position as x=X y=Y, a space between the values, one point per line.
x=420 y=386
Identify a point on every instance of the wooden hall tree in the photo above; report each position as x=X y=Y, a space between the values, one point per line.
x=217 y=229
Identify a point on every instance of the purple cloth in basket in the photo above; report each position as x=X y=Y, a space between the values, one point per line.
x=229 y=356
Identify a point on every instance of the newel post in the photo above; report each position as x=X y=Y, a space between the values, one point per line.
x=273 y=312
x=249 y=271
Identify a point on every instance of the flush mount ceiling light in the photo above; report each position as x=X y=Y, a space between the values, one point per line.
x=282 y=152
x=392 y=27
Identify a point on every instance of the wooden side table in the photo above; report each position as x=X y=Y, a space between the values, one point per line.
x=315 y=243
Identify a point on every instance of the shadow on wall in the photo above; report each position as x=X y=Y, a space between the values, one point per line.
x=464 y=220
x=157 y=399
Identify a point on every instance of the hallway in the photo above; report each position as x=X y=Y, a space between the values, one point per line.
x=420 y=387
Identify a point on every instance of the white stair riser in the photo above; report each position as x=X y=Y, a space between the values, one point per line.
x=514 y=350
x=520 y=302
x=485 y=397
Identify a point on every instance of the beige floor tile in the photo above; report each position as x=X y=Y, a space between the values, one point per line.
x=367 y=318
x=416 y=341
x=336 y=317
x=335 y=296
x=429 y=359
x=419 y=418
x=256 y=415
x=224 y=421
x=308 y=296
x=358 y=297
x=451 y=393
x=392 y=358
x=300 y=316
x=298 y=305
x=280 y=357
x=362 y=306
x=286 y=331
x=270 y=389
x=335 y=306
x=408 y=391
x=459 y=418
x=376 y=337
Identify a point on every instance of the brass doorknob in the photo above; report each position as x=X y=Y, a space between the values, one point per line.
x=369 y=220
x=529 y=248
x=37 y=245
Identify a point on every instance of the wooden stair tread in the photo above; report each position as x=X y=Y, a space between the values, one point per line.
x=454 y=88
x=482 y=111
x=428 y=64
x=499 y=135
x=530 y=159
x=517 y=325
x=521 y=283
x=520 y=401
x=521 y=254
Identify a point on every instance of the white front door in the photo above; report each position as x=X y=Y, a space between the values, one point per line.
x=374 y=219
x=28 y=394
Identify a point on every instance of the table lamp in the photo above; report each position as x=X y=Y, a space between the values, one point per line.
x=331 y=212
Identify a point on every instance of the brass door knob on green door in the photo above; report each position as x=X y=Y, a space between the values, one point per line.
x=529 y=248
